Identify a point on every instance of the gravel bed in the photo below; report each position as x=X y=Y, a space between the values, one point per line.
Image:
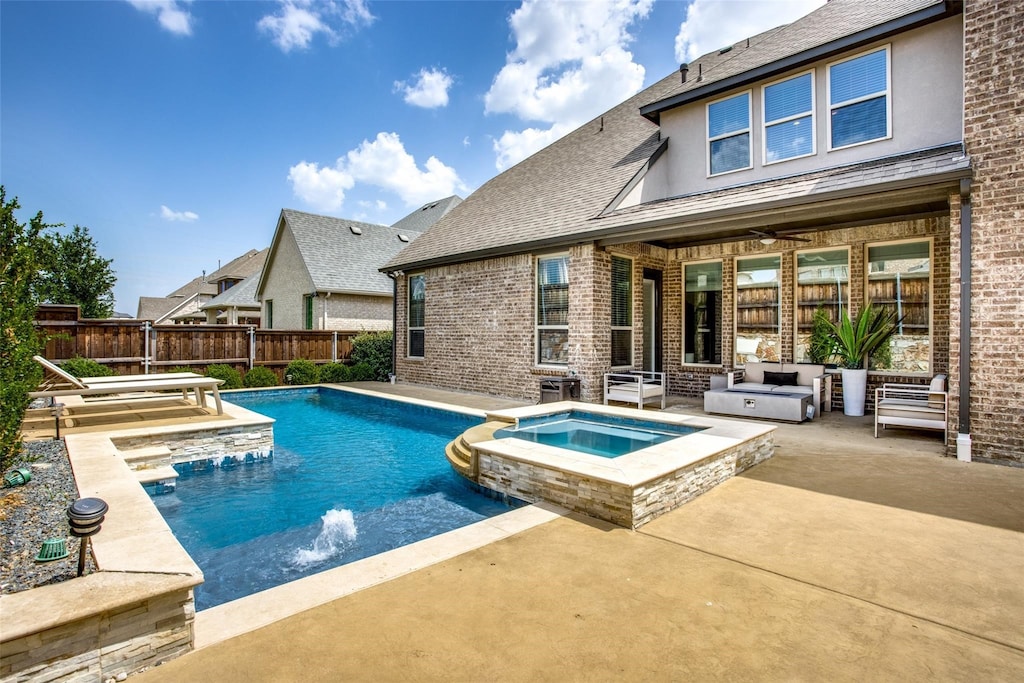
x=34 y=512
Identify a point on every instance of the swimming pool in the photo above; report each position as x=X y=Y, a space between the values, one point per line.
x=351 y=476
x=602 y=435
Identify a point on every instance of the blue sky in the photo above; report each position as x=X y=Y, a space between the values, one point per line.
x=176 y=131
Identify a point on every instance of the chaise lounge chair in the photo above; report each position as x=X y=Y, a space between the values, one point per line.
x=109 y=386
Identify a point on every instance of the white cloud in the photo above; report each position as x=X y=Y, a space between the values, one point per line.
x=322 y=188
x=713 y=24
x=377 y=204
x=570 y=64
x=465 y=141
x=171 y=14
x=299 y=21
x=430 y=90
x=180 y=216
x=384 y=163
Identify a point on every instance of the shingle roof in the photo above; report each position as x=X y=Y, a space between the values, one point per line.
x=338 y=259
x=840 y=24
x=241 y=267
x=428 y=214
x=242 y=295
x=552 y=196
x=156 y=307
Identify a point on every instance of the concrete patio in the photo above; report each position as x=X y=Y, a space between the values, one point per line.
x=842 y=558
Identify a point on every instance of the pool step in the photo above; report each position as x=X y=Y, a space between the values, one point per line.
x=148 y=457
x=460 y=451
x=153 y=475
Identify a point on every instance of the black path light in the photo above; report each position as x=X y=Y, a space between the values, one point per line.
x=85 y=516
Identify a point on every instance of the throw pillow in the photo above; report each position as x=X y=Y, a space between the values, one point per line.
x=782 y=379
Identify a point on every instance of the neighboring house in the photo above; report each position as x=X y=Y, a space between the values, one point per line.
x=843 y=158
x=323 y=273
x=237 y=305
x=185 y=304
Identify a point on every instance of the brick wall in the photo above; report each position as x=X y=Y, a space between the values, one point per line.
x=994 y=138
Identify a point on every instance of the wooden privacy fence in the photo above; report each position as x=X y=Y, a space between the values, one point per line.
x=136 y=346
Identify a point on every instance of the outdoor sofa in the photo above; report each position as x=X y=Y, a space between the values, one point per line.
x=913 y=406
x=774 y=391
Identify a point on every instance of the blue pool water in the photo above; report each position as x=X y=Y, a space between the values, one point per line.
x=351 y=476
x=602 y=435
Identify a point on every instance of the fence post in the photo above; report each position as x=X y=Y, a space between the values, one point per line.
x=145 y=349
x=334 y=347
x=252 y=346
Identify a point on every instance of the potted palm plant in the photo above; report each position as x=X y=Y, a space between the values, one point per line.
x=853 y=342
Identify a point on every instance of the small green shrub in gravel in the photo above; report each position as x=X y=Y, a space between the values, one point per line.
x=334 y=373
x=363 y=372
x=260 y=376
x=300 y=371
x=232 y=378
x=85 y=367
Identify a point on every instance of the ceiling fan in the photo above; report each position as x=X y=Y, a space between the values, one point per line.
x=770 y=236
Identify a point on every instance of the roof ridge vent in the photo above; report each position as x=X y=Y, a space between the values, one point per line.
x=355 y=230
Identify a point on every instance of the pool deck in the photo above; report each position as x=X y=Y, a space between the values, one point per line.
x=842 y=558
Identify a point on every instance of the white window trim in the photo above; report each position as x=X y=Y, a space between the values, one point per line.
x=536 y=311
x=931 y=299
x=632 y=311
x=410 y=328
x=749 y=130
x=765 y=124
x=887 y=48
x=682 y=323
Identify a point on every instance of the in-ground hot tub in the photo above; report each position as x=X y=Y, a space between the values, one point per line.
x=673 y=459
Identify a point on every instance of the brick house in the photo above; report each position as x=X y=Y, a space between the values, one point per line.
x=322 y=272
x=698 y=225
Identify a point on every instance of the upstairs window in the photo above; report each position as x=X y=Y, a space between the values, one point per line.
x=858 y=99
x=622 y=312
x=729 y=134
x=417 y=307
x=553 y=310
x=789 y=118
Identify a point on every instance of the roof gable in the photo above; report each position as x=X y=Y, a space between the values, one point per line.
x=428 y=214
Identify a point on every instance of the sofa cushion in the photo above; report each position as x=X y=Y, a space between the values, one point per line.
x=754 y=387
x=793 y=389
x=805 y=372
x=780 y=378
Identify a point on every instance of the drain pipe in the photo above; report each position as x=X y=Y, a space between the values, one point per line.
x=963 y=439
x=394 y=275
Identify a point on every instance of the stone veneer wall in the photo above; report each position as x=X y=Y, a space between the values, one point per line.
x=103 y=646
x=211 y=447
x=994 y=138
x=618 y=503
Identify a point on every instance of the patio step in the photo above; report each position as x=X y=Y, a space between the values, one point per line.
x=154 y=474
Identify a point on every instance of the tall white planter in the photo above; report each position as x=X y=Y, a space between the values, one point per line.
x=855 y=384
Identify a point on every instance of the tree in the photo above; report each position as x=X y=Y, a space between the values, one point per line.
x=72 y=272
x=19 y=341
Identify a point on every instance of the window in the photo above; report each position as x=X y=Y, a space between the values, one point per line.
x=899 y=277
x=789 y=118
x=553 y=310
x=307 y=303
x=858 y=99
x=417 y=307
x=270 y=315
x=822 y=283
x=729 y=134
x=702 y=313
x=758 y=336
x=622 y=312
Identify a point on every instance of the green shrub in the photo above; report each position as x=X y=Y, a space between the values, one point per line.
x=232 y=378
x=333 y=373
x=85 y=367
x=260 y=376
x=180 y=368
x=373 y=349
x=363 y=372
x=300 y=371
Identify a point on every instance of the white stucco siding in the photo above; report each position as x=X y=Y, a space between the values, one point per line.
x=926 y=99
x=287 y=282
